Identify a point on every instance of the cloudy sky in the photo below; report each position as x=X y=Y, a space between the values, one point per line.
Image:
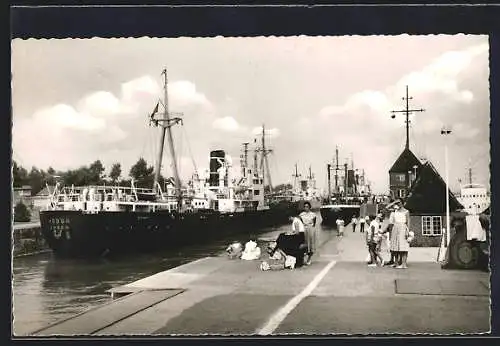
x=75 y=101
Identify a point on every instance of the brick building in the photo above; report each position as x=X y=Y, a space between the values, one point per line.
x=403 y=174
x=426 y=202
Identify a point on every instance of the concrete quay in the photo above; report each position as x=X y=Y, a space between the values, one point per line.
x=28 y=239
x=337 y=294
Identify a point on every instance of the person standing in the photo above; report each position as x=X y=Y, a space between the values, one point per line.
x=309 y=220
x=340 y=227
x=354 y=220
x=398 y=225
x=362 y=222
x=373 y=237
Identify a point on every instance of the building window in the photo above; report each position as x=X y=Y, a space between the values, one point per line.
x=401 y=193
x=400 y=178
x=431 y=225
x=256 y=192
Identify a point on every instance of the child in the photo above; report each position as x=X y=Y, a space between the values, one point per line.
x=373 y=237
x=340 y=227
x=234 y=250
x=353 y=222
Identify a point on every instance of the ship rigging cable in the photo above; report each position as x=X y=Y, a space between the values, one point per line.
x=149 y=148
x=190 y=151
x=179 y=151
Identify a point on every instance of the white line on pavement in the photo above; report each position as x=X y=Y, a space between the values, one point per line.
x=282 y=313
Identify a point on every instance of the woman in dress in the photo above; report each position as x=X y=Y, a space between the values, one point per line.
x=292 y=242
x=309 y=220
x=398 y=226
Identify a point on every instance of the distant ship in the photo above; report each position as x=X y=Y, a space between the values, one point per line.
x=302 y=190
x=474 y=197
x=94 y=221
x=351 y=192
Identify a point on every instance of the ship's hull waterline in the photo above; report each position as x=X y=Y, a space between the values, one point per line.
x=77 y=234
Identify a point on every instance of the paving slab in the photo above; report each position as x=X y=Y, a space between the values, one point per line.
x=387 y=315
x=233 y=297
x=234 y=314
x=105 y=315
x=442 y=287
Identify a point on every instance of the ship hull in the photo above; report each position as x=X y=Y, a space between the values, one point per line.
x=330 y=213
x=74 y=234
x=299 y=205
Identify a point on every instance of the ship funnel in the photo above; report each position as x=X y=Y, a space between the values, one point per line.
x=216 y=157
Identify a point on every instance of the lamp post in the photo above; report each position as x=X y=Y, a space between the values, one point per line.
x=446 y=131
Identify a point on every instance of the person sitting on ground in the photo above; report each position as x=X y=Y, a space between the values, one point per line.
x=293 y=242
x=251 y=251
x=234 y=250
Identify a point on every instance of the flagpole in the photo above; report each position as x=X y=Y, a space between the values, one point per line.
x=446 y=132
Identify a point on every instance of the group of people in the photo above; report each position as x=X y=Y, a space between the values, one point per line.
x=362 y=222
x=298 y=245
x=398 y=234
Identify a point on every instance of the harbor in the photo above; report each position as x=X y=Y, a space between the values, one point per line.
x=48 y=289
x=337 y=294
x=164 y=203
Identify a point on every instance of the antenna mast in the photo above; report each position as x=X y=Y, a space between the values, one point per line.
x=407 y=111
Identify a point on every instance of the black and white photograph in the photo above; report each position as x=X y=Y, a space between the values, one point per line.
x=236 y=186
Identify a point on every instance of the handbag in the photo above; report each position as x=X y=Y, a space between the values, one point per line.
x=410 y=237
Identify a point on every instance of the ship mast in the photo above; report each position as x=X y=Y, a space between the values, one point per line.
x=166 y=124
x=345 y=179
x=244 y=162
x=328 y=168
x=296 y=176
x=265 y=162
x=256 y=150
x=336 y=169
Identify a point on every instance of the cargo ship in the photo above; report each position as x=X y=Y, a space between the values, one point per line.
x=300 y=191
x=351 y=194
x=96 y=221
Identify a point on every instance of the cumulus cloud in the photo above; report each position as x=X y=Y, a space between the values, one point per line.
x=362 y=124
x=99 y=122
x=320 y=92
x=226 y=124
x=442 y=74
x=183 y=93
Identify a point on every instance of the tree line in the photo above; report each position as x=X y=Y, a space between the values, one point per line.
x=93 y=174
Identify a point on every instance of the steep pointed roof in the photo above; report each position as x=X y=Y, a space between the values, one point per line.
x=405 y=162
x=46 y=191
x=428 y=194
